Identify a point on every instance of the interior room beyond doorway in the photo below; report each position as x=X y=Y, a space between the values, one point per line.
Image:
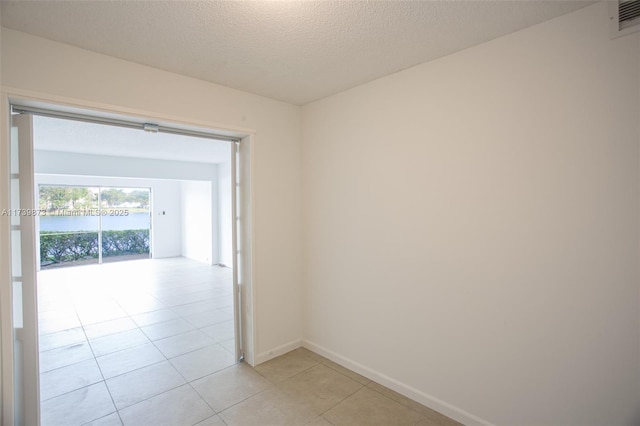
x=163 y=321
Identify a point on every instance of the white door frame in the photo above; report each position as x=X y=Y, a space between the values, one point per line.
x=6 y=298
x=20 y=331
x=244 y=219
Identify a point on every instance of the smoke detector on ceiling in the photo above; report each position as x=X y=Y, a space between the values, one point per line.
x=624 y=17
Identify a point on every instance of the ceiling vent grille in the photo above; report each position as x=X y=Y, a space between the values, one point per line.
x=624 y=16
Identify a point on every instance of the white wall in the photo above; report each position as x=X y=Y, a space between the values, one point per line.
x=166 y=234
x=471 y=227
x=167 y=219
x=44 y=68
x=107 y=165
x=225 y=231
x=197 y=231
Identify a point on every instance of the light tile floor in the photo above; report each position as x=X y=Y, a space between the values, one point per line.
x=134 y=345
x=117 y=338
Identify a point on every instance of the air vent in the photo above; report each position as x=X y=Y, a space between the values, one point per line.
x=624 y=17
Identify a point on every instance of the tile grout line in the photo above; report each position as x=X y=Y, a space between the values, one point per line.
x=167 y=359
x=342 y=400
x=95 y=359
x=286 y=378
x=335 y=371
x=397 y=402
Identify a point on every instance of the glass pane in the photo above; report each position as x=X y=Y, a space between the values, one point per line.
x=16 y=258
x=69 y=225
x=17 y=304
x=15 y=201
x=14 y=150
x=125 y=223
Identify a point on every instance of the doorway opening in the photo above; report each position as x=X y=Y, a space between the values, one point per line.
x=169 y=319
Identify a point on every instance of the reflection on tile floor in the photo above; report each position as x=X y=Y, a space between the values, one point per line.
x=141 y=350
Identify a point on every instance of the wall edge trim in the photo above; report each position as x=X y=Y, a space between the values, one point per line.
x=277 y=351
x=423 y=398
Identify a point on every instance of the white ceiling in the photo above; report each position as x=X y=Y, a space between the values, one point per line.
x=295 y=51
x=51 y=134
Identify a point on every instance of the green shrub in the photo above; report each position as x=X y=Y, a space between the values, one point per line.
x=57 y=247
x=131 y=241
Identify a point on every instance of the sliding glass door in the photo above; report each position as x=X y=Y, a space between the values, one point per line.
x=81 y=225
x=125 y=223
x=69 y=225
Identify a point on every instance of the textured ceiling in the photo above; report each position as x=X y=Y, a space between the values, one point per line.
x=295 y=51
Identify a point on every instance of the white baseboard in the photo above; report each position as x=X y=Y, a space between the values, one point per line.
x=277 y=351
x=403 y=389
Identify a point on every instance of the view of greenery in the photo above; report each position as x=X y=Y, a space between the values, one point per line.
x=115 y=197
x=74 y=197
x=62 y=242
x=67 y=247
x=67 y=197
